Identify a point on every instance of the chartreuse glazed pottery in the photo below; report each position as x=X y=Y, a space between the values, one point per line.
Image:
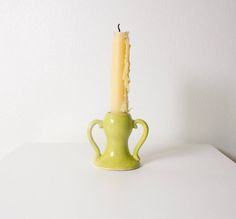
x=117 y=128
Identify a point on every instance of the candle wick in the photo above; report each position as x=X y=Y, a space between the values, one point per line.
x=119 y=27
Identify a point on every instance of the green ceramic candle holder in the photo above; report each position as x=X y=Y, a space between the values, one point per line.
x=117 y=128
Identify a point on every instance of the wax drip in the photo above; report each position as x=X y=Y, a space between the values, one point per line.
x=125 y=76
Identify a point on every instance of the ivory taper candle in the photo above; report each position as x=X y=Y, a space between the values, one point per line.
x=120 y=72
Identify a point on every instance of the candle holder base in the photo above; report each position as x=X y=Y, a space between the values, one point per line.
x=117 y=128
x=119 y=163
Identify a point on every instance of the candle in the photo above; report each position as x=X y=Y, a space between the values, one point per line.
x=120 y=72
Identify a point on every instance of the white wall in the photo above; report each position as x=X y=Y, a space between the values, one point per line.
x=55 y=61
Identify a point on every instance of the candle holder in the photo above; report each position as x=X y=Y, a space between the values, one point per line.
x=117 y=128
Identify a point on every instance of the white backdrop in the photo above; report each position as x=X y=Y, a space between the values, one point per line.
x=55 y=62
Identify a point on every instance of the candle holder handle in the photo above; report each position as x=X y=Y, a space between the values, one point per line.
x=142 y=139
x=90 y=135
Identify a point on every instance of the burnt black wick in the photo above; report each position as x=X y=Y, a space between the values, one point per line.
x=119 y=27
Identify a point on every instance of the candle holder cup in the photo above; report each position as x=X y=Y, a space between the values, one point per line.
x=117 y=128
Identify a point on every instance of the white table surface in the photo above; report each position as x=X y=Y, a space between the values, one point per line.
x=50 y=181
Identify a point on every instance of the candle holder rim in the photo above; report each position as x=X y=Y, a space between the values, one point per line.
x=118 y=113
